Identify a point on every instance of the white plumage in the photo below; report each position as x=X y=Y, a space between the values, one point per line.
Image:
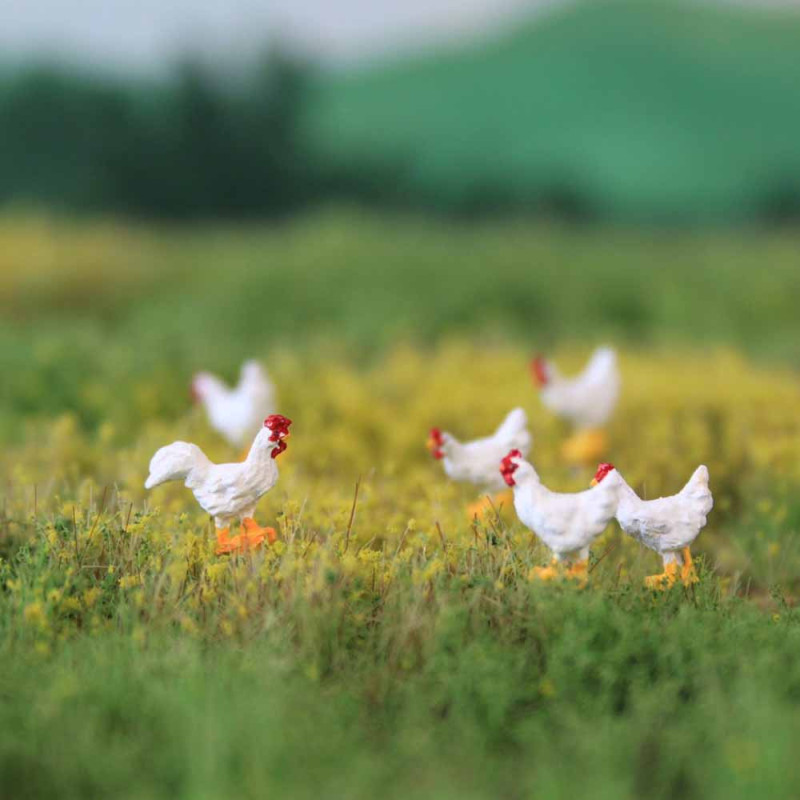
x=588 y=400
x=236 y=413
x=228 y=492
x=477 y=461
x=668 y=525
x=566 y=523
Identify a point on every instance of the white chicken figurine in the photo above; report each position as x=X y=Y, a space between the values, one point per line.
x=236 y=413
x=566 y=523
x=476 y=461
x=228 y=492
x=586 y=401
x=667 y=525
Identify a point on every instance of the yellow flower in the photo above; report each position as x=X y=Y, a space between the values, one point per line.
x=90 y=596
x=34 y=613
x=216 y=572
x=70 y=604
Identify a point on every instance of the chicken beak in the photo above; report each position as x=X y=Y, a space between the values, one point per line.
x=594 y=483
x=435 y=449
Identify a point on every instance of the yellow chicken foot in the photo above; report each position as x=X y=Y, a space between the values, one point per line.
x=585 y=448
x=688 y=574
x=223 y=540
x=251 y=535
x=664 y=580
x=579 y=571
x=254 y=534
x=548 y=573
x=482 y=507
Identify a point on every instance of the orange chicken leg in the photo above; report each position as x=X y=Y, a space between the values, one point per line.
x=250 y=536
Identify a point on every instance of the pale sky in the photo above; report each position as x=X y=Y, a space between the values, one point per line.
x=148 y=34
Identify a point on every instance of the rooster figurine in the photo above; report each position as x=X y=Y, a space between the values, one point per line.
x=586 y=401
x=236 y=414
x=476 y=461
x=566 y=523
x=228 y=492
x=667 y=525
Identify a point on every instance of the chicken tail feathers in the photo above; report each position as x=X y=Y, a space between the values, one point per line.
x=174 y=462
x=513 y=431
x=698 y=489
x=603 y=360
x=515 y=421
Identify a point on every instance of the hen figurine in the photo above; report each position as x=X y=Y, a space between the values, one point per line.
x=228 y=492
x=476 y=461
x=566 y=523
x=237 y=413
x=586 y=401
x=667 y=525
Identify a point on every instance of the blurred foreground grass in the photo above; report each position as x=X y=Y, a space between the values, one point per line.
x=407 y=653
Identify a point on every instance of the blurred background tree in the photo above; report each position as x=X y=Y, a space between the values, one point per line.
x=197 y=146
x=663 y=112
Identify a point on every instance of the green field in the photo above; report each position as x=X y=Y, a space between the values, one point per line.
x=650 y=110
x=405 y=652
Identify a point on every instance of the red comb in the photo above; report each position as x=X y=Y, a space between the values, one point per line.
x=436 y=442
x=508 y=467
x=602 y=470
x=539 y=370
x=279 y=425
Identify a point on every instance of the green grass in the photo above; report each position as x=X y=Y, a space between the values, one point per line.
x=629 y=109
x=407 y=654
x=546 y=694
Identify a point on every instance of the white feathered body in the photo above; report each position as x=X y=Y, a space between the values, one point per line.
x=478 y=461
x=667 y=524
x=587 y=400
x=237 y=413
x=566 y=523
x=228 y=492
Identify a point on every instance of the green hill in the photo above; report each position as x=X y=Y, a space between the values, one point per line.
x=646 y=110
